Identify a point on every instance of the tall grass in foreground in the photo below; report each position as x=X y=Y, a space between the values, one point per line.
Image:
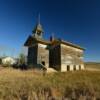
x=32 y=85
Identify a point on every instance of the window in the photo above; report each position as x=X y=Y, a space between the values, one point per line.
x=74 y=67
x=79 y=67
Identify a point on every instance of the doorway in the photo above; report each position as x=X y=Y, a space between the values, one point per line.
x=68 y=67
x=43 y=63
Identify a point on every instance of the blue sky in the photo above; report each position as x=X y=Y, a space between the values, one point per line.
x=76 y=21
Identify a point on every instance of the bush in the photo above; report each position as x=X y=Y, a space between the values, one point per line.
x=22 y=59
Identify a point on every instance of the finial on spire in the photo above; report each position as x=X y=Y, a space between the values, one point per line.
x=39 y=18
x=38 y=30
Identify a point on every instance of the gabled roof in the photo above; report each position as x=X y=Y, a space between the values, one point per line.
x=71 y=44
x=59 y=41
x=32 y=39
x=7 y=57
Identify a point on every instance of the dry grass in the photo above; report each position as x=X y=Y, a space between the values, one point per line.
x=32 y=85
x=92 y=66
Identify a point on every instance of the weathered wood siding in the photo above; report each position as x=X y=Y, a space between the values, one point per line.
x=32 y=55
x=55 y=57
x=43 y=54
x=71 y=56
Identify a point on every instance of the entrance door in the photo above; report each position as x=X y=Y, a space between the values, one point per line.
x=43 y=62
x=68 y=67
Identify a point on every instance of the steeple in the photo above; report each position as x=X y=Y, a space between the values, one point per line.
x=38 y=30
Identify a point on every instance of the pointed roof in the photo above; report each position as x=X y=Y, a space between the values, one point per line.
x=38 y=27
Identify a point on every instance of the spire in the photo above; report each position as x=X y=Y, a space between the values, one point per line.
x=38 y=30
x=39 y=18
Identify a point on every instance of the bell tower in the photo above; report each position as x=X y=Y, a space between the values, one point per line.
x=38 y=30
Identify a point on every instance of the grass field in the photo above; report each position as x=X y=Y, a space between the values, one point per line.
x=92 y=66
x=32 y=85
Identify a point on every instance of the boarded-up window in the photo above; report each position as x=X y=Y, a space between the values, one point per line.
x=74 y=67
x=79 y=67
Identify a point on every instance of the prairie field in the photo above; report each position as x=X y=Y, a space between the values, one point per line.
x=33 y=85
x=92 y=66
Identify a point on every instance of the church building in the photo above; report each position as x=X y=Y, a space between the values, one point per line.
x=53 y=53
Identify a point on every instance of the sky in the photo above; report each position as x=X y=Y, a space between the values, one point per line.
x=76 y=21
